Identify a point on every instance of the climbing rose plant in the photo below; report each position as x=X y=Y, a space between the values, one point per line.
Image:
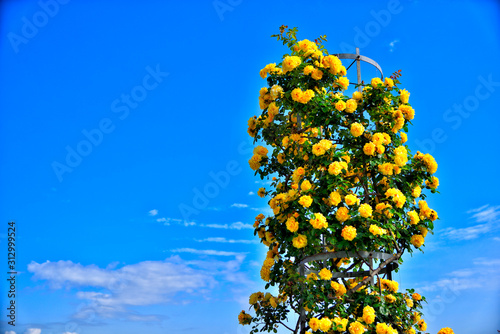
x=343 y=180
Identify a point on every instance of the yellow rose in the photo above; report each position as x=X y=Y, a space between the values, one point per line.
x=433 y=183
x=290 y=63
x=260 y=150
x=365 y=210
x=357 y=129
x=299 y=241
x=325 y=274
x=317 y=74
x=404 y=96
x=369 y=149
x=297 y=94
x=356 y=328
x=349 y=233
x=308 y=69
x=319 y=221
x=318 y=149
x=334 y=198
x=335 y=168
x=368 y=314
x=351 y=199
x=375 y=82
x=292 y=225
x=342 y=214
x=404 y=137
x=244 y=318
x=407 y=111
x=333 y=63
x=340 y=105
x=414 y=219
x=343 y=82
x=281 y=158
x=314 y=324
x=305 y=201
x=351 y=106
x=357 y=96
x=326 y=144
x=386 y=168
x=305 y=185
x=340 y=289
x=389 y=83
x=325 y=324
x=276 y=91
x=417 y=240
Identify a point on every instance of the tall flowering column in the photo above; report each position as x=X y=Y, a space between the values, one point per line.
x=346 y=196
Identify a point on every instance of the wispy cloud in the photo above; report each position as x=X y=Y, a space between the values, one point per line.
x=33 y=331
x=240 y=225
x=265 y=210
x=393 y=44
x=486 y=219
x=231 y=241
x=225 y=226
x=486 y=213
x=264 y=182
x=153 y=212
x=113 y=293
x=477 y=276
x=233 y=226
x=206 y=252
x=168 y=220
x=251 y=193
x=239 y=205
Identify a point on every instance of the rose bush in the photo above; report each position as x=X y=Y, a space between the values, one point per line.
x=343 y=180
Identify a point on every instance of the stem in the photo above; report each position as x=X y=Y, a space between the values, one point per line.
x=375 y=272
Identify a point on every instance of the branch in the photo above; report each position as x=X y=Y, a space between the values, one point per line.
x=286 y=326
x=375 y=272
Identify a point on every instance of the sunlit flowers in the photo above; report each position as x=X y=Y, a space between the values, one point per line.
x=357 y=129
x=349 y=233
x=299 y=241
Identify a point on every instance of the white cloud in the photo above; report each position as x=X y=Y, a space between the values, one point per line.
x=393 y=44
x=233 y=226
x=143 y=283
x=485 y=213
x=251 y=193
x=225 y=226
x=168 y=221
x=485 y=216
x=265 y=210
x=496 y=238
x=231 y=241
x=476 y=277
x=487 y=262
x=70 y=333
x=10 y=332
x=239 y=205
x=240 y=225
x=467 y=233
x=33 y=331
x=153 y=212
x=205 y=252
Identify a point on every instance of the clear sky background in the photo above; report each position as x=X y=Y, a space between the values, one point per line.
x=123 y=154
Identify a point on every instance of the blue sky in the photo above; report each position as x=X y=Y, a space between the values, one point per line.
x=124 y=154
